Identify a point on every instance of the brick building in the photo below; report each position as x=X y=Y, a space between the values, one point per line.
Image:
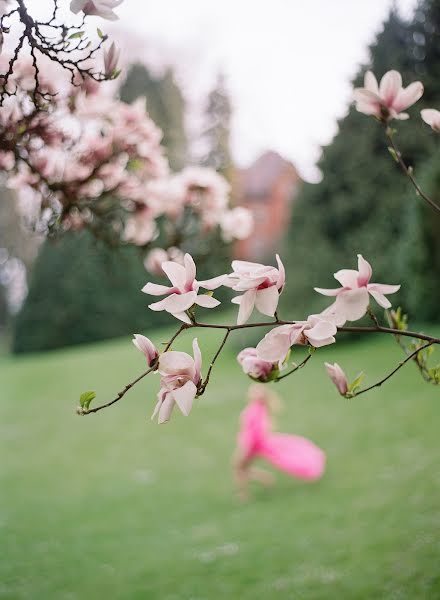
x=267 y=188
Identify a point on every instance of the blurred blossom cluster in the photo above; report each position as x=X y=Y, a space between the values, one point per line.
x=92 y=161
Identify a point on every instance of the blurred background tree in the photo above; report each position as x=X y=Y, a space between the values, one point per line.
x=364 y=204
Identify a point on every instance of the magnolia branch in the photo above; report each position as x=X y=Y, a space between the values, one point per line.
x=397 y=155
x=413 y=355
x=431 y=340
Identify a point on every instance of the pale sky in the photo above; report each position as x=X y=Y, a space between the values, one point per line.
x=287 y=63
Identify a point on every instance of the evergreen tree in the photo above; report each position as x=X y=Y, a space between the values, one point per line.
x=359 y=206
x=216 y=133
x=165 y=105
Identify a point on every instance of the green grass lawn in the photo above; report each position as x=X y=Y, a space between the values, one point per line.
x=112 y=505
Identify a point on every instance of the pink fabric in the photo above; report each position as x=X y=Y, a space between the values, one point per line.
x=293 y=454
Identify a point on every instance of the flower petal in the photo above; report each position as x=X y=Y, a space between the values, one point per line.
x=326 y=292
x=206 y=301
x=408 y=96
x=322 y=334
x=175 y=273
x=281 y=273
x=266 y=300
x=184 y=397
x=197 y=361
x=390 y=86
x=174 y=362
x=347 y=278
x=177 y=303
x=246 y=306
x=157 y=290
x=370 y=83
x=182 y=316
x=214 y=283
x=352 y=304
x=364 y=271
x=190 y=269
x=166 y=408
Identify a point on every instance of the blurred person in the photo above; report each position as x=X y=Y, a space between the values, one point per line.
x=292 y=454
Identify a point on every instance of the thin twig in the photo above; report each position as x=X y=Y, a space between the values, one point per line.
x=120 y=395
x=399 y=366
x=408 y=171
x=216 y=355
x=299 y=366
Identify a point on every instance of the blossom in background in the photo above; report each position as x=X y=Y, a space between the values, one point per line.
x=387 y=100
x=338 y=377
x=261 y=285
x=318 y=331
x=432 y=117
x=99 y=8
x=236 y=224
x=180 y=376
x=206 y=191
x=353 y=297
x=146 y=346
x=111 y=59
x=254 y=366
x=157 y=256
x=184 y=290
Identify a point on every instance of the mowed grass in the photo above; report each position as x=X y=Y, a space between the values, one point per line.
x=114 y=506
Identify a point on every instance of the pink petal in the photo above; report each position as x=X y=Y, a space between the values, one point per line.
x=266 y=300
x=432 y=117
x=321 y=334
x=378 y=291
x=176 y=363
x=335 y=314
x=370 y=83
x=243 y=266
x=281 y=273
x=365 y=271
x=366 y=102
x=245 y=283
x=325 y=292
x=352 y=304
x=347 y=278
x=408 y=96
x=182 y=316
x=236 y=300
x=246 y=306
x=206 y=301
x=157 y=306
x=214 y=283
x=177 y=303
x=176 y=274
x=184 y=397
x=166 y=408
x=390 y=86
x=157 y=290
x=190 y=268
x=275 y=344
x=197 y=361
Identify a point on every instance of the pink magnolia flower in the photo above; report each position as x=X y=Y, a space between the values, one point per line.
x=318 y=331
x=353 y=297
x=338 y=377
x=237 y=224
x=252 y=365
x=179 y=381
x=184 y=290
x=99 y=8
x=111 y=59
x=261 y=285
x=431 y=116
x=146 y=346
x=387 y=100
